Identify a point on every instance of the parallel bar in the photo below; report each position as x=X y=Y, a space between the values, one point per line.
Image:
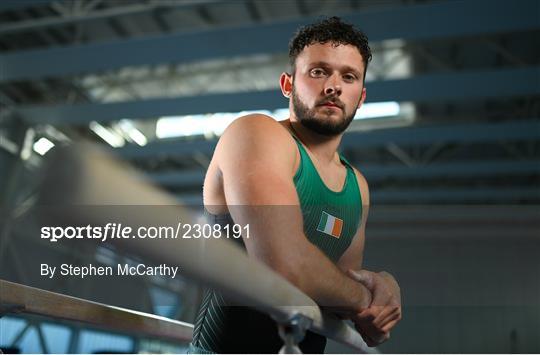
x=36 y=301
x=434 y=87
x=414 y=22
x=178 y=179
x=93 y=178
x=459 y=133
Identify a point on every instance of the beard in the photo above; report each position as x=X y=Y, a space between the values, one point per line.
x=321 y=125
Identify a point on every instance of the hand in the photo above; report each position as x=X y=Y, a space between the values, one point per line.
x=384 y=312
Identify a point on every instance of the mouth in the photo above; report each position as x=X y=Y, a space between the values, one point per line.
x=331 y=104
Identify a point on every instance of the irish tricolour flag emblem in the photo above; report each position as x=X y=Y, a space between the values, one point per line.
x=330 y=225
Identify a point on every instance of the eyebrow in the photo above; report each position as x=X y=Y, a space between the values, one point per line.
x=345 y=68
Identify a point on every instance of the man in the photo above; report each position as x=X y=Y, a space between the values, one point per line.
x=313 y=204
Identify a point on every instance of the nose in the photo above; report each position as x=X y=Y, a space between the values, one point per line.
x=332 y=86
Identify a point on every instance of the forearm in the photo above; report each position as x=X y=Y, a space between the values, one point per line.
x=325 y=283
x=277 y=239
x=280 y=243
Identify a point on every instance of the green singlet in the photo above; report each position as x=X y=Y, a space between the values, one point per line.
x=331 y=220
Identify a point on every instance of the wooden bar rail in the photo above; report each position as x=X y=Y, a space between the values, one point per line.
x=26 y=299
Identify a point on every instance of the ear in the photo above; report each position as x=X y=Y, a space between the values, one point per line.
x=285 y=83
x=362 y=98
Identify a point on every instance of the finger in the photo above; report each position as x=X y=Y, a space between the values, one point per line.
x=386 y=313
x=385 y=338
x=390 y=325
x=392 y=317
x=364 y=320
x=374 y=340
x=375 y=311
x=370 y=311
x=371 y=334
x=368 y=314
x=369 y=342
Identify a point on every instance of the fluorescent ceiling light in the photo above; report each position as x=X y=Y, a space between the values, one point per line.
x=378 y=109
x=281 y=114
x=180 y=126
x=133 y=134
x=207 y=125
x=42 y=146
x=138 y=137
x=107 y=135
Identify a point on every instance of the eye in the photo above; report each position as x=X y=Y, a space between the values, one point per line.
x=349 y=78
x=317 y=72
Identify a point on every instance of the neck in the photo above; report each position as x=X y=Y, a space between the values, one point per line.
x=323 y=147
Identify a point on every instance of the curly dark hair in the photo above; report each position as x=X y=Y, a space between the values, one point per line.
x=333 y=30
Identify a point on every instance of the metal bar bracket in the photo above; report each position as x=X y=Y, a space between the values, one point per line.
x=292 y=332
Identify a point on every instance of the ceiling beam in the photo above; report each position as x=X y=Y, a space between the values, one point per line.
x=459 y=133
x=433 y=87
x=454 y=195
x=472 y=169
x=428 y=196
x=455 y=214
x=413 y=22
x=462 y=133
x=375 y=173
x=165 y=148
x=10 y=5
x=86 y=16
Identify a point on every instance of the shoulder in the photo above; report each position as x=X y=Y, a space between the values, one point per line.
x=256 y=124
x=259 y=137
x=257 y=128
x=363 y=186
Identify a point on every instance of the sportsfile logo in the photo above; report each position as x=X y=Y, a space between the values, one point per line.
x=120 y=231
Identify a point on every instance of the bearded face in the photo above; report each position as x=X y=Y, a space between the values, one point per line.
x=319 y=118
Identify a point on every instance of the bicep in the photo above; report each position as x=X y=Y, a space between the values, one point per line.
x=254 y=157
x=260 y=192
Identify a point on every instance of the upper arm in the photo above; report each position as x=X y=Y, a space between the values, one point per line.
x=353 y=256
x=256 y=156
